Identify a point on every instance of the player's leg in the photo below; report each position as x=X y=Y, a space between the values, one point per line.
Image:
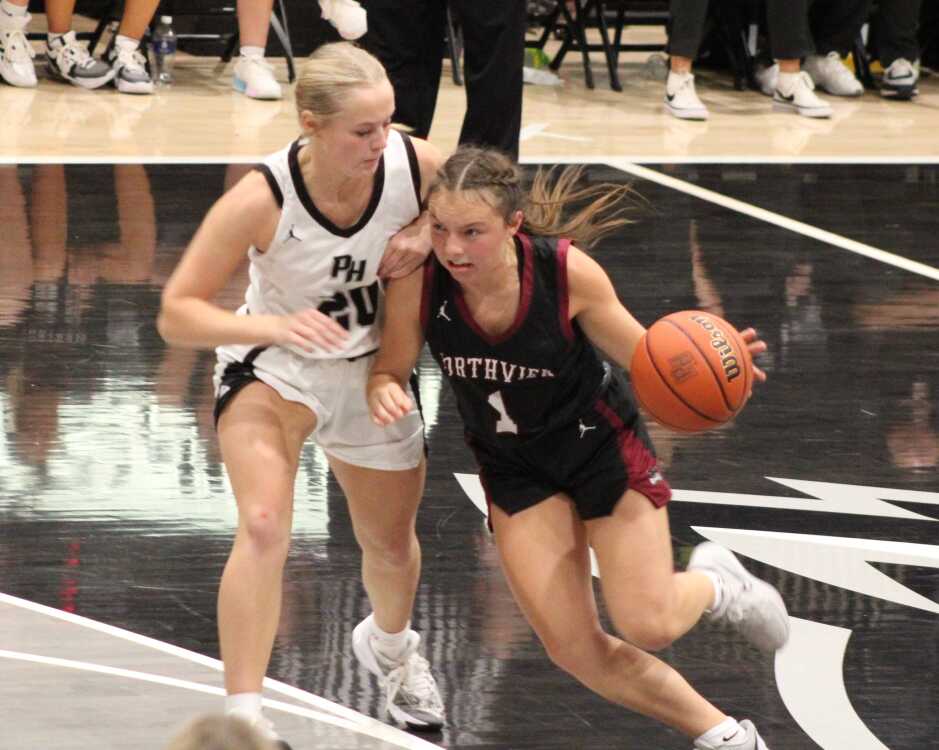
x=651 y=605
x=545 y=557
x=383 y=506
x=261 y=436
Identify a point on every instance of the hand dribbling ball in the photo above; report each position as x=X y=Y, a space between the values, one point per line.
x=692 y=371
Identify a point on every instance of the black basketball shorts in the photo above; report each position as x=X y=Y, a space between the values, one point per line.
x=593 y=460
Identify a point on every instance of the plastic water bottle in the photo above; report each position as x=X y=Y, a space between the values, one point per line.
x=164 y=51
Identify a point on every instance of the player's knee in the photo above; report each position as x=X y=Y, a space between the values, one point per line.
x=651 y=630
x=267 y=529
x=393 y=550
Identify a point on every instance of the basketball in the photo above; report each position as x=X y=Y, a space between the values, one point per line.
x=692 y=371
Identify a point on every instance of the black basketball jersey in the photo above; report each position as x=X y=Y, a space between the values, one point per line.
x=540 y=373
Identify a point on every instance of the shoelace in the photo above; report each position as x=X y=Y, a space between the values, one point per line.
x=131 y=59
x=77 y=55
x=413 y=674
x=16 y=47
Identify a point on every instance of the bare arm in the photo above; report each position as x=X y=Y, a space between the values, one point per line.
x=401 y=342
x=593 y=302
x=409 y=247
x=607 y=323
x=246 y=215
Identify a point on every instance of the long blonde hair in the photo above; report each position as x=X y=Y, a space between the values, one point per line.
x=498 y=181
x=330 y=73
x=219 y=732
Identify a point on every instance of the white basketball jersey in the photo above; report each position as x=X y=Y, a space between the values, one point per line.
x=312 y=263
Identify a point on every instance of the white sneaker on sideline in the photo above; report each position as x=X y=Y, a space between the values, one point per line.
x=16 y=53
x=753 y=740
x=130 y=71
x=347 y=16
x=254 y=77
x=264 y=727
x=831 y=75
x=899 y=81
x=797 y=94
x=411 y=694
x=69 y=60
x=766 y=76
x=752 y=606
x=681 y=99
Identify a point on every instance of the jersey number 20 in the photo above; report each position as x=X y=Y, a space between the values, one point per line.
x=363 y=298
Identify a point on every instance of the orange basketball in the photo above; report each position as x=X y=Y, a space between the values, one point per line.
x=692 y=371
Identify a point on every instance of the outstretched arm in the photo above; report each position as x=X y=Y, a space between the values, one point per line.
x=401 y=342
x=607 y=323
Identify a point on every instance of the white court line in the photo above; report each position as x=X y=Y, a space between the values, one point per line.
x=527 y=159
x=779 y=220
x=365 y=724
x=198 y=687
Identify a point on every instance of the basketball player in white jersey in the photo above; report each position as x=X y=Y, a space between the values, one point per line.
x=315 y=220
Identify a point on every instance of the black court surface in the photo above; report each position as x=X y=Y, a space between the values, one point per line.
x=116 y=516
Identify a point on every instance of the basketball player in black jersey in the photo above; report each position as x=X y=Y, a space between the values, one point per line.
x=512 y=313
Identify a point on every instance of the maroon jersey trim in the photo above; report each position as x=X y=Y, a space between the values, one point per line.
x=427 y=290
x=524 y=303
x=641 y=465
x=563 y=292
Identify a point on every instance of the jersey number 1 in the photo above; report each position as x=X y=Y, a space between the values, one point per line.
x=505 y=423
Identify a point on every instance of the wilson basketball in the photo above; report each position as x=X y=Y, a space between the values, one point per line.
x=692 y=371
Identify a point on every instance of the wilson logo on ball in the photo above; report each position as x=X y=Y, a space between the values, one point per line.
x=729 y=361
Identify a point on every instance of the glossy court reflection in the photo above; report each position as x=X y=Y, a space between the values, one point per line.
x=114 y=504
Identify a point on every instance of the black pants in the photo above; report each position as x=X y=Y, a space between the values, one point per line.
x=408 y=37
x=796 y=27
x=896 y=30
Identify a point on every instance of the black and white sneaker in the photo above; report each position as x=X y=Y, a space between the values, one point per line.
x=797 y=94
x=69 y=61
x=681 y=99
x=899 y=81
x=130 y=71
x=411 y=695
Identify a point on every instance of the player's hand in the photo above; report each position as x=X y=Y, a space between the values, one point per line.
x=387 y=402
x=407 y=250
x=309 y=330
x=756 y=346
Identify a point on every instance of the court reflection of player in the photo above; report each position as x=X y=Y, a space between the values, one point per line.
x=61 y=306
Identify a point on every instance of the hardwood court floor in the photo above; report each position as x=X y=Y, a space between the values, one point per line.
x=114 y=505
x=201 y=117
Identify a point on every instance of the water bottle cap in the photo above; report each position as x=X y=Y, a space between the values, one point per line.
x=166 y=19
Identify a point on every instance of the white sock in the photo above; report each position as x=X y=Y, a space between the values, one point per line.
x=12 y=10
x=786 y=81
x=391 y=645
x=718 y=590
x=126 y=42
x=246 y=704
x=675 y=80
x=54 y=38
x=728 y=732
x=252 y=51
